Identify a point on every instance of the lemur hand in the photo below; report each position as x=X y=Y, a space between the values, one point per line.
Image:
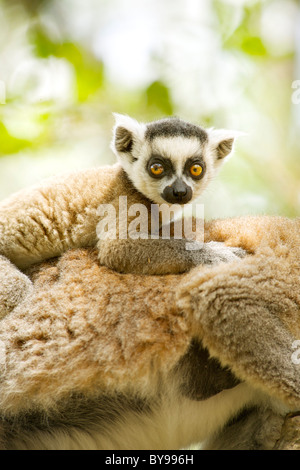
x=217 y=252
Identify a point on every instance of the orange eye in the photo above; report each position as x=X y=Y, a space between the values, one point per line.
x=196 y=170
x=156 y=169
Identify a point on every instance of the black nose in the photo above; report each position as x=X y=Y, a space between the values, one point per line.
x=179 y=188
x=178 y=193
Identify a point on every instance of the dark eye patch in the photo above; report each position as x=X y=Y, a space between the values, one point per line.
x=194 y=161
x=159 y=160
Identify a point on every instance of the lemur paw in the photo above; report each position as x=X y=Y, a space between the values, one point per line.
x=239 y=252
x=216 y=252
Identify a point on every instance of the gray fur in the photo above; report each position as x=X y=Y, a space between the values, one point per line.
x=246 y=314
x=77 y=412
x=123 y=140
x=201 y=376
x=196 y=376
x=224 y=148
x=174 y=127
x=255 y=428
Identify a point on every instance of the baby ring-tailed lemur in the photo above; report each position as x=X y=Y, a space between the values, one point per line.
x=166 y=161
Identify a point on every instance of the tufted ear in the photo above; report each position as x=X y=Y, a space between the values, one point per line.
x=221 y=142
x=126 y=133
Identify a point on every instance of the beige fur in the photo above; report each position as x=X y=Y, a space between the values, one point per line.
x=92 y=358
x=256 y=303
x=175 y=422
x=63 y=212
x=60 y=213
x=87 y=330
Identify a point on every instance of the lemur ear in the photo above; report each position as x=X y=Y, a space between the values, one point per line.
x=123 y=139
x=127 y=131
x=221 y=141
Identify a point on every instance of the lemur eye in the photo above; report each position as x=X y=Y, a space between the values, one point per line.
x=196 y=170
x=156 y=169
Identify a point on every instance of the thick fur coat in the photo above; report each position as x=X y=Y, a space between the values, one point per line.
x=86 y=334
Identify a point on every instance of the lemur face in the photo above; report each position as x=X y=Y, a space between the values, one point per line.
x=175 y=163
x=169 y=161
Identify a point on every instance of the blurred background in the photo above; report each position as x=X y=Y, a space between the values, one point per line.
x=66 y=65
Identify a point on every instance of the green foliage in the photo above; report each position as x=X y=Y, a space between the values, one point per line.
x=246 y=37
x=244 y=42
x=266 y=173
x=11 y=144
x=158 y=98
x=89 y=71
